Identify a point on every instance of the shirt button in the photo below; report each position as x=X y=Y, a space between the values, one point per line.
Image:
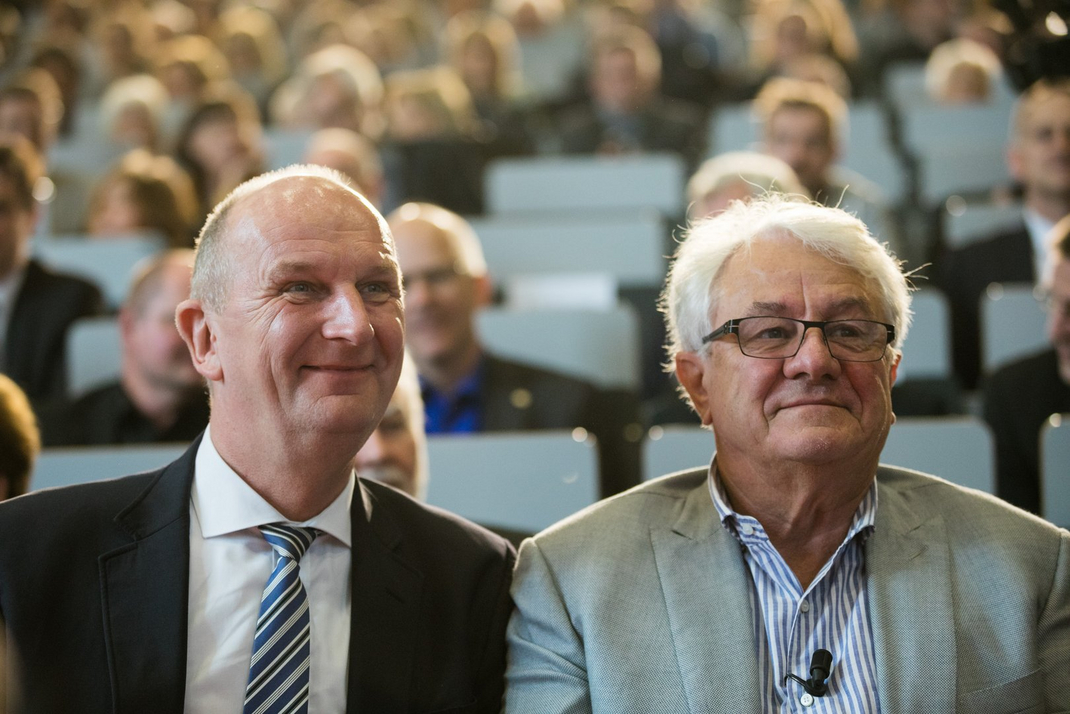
x=747 y=529
x=804 y=606
x=806 y=700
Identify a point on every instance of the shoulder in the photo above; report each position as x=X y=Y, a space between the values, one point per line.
x=1001 y=242
x=1032 y=368
x=432 y=532
x=56 y=520
x=40 y=277
x=970 y=516
x=509 y=373
x=616 y=521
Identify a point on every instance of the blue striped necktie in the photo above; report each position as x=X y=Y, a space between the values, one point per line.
x=278 y=672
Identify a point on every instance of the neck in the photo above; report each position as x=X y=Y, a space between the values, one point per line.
x=806 y=509
x=445 y=374
x=299 y=474
x=1053 y=207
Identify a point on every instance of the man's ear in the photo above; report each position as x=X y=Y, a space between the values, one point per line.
x=894 y=371
x=691 y=371
x=195 y=326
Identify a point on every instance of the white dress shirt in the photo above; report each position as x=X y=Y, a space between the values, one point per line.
x=229 y=565
x=1039 y=229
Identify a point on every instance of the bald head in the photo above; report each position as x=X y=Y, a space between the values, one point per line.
x=278 y=190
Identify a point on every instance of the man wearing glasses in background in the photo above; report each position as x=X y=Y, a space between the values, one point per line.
x=794 y=573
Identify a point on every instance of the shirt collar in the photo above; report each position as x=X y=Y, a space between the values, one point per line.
x=225 y=503
x=862 y=522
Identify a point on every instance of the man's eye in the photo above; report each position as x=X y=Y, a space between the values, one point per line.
x=375 y=291
x=299 y=288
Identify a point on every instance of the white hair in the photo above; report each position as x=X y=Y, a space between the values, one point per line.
x=761 y=171
x=692 y=292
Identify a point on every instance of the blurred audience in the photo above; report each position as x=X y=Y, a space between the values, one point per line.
x=337 y=86
x=36 y=305
x=482 y=49
x=466 y=388
x=219 y=147
x=626 y=113
x=144 y=193
x=132 y=111
x=159 y=396
x=431 y=152
x=803 y=125
x=31 y=106
x=738 y=175
x=962 y=71
x=19 y=444
x=1019 y=397
x=396 y=452
x=355 y=156
x=250 y=39
x=1039 y=160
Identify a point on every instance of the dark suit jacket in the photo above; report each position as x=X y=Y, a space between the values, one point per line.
x=35 y=348
x=1018 y=400
x=519 y=397
x=94 y=584
x=662 y=126
x=963 y=275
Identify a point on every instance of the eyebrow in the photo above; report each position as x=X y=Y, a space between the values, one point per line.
x=759 y=307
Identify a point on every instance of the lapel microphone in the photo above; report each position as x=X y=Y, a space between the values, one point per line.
x=820 y=666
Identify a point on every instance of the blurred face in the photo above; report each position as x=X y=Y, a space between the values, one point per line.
x=216 y=143
x=390 y=453
x=717 y=201
x=117 y=214
x=440 y=298
x=1059 y=317
x=152 y=345
x=617 y=84
x=810 y=408
x=311 y=336
x=24 y=117
x=1040 y=156
x=16 y=227
x=800 y=138
x=479 y=66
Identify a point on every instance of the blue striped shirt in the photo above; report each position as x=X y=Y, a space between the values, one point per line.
x=832 y=614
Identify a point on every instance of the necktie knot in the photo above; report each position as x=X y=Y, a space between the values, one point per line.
x=289 y=541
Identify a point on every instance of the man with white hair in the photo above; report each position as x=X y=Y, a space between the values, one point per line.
x=793 y=571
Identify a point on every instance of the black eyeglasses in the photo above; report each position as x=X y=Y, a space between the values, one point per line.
x=782 y=337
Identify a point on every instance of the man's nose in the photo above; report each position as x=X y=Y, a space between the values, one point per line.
x=813 y=357
x=347 y=318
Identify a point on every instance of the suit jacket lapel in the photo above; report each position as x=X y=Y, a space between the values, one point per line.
x=386 y=592
x=704 y=582
x=145 y=595
x=913 y=615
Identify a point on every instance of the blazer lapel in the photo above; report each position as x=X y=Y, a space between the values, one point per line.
x=386 y=592
x=145 y=595
x=912 y=610
x=704 y=583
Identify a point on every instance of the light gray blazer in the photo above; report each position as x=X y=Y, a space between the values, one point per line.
x=640 y=604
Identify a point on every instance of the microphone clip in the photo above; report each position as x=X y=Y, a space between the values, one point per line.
x=820 y=667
